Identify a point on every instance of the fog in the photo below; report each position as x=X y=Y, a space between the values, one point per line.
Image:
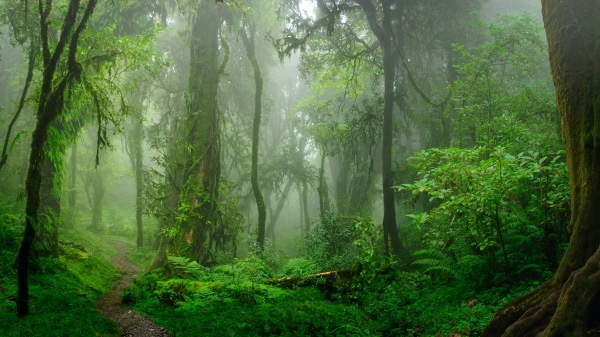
x=322 y=131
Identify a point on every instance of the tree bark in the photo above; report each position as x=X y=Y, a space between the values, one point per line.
x=202 y=169
x=568 y=304
x=46 y=241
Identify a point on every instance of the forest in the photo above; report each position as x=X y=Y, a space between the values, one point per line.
x=300 y=168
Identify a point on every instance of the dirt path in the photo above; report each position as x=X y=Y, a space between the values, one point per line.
x=130 y=322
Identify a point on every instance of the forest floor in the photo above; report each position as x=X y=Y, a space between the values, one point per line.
x=130 y=322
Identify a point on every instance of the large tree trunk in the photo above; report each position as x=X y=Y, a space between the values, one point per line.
x=258 y=87
x=202 y=169
x=569 y=303
x=46 y=242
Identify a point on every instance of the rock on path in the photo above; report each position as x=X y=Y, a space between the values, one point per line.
x=130 y=322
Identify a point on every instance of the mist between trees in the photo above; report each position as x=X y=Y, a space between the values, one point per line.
x=401 y=165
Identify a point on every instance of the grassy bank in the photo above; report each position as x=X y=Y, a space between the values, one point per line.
x=63 y=291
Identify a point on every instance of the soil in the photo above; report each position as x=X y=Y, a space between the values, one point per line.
x=130 y=322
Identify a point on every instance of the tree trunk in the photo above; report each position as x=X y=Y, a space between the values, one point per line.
x=304 y=205
x=46 y=241
x=50 y=105
x=72 y=183
x=568 y=304
x=388 y=39
x=97 y=199
x=339 y=168
x=322 y=189
x=139 y=185
x=202 y=168
x=136 y=152
x=258 y=87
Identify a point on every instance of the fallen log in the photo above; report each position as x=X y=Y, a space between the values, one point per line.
x=328 y=278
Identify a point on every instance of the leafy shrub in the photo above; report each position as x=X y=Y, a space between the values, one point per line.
x=489 y=207
x=329 y=244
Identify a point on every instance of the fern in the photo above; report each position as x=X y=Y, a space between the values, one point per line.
x=435 y=261
x=182 y=267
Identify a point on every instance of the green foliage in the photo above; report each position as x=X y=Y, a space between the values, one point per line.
x=329 y=244
x=488 y=208
x=182 y=267
x=502 y=86
x=298 y=267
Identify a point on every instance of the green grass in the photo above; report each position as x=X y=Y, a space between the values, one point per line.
x=63 y=292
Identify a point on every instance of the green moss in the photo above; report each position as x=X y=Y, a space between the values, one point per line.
x=63 y=292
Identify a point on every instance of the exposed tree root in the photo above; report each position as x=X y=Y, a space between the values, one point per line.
x=524 y=310
x=577 y=313
x=554 y=310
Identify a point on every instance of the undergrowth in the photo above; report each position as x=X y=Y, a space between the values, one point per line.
x=240 y=299
x=63 y=291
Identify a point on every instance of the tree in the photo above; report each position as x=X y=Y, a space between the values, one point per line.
x=201 y=166
x=50 y=105
x=387 y=34
x=22 y=31
x=567 y=304
x=247 y=33
x=136 y=157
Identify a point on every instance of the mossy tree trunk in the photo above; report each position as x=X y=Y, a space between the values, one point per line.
x=247 y=33
x=202 y=168
x=568 y=304
x=46 y=241
x=50 y=105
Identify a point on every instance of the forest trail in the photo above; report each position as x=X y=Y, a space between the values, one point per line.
x=130 y=322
